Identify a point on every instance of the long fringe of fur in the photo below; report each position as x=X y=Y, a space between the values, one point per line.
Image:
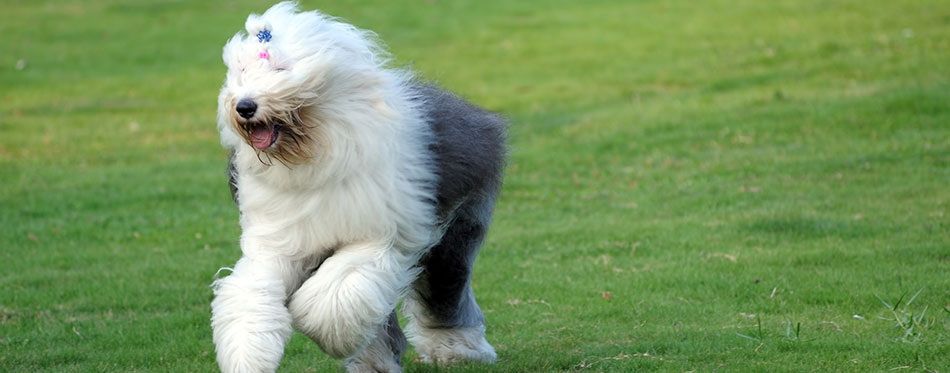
x=336 y=213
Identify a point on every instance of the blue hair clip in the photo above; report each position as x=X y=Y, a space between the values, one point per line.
x=263 y=36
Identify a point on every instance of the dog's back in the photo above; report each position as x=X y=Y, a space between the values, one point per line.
x=469 y=147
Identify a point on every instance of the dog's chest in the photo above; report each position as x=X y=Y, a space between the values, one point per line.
x=309 y=222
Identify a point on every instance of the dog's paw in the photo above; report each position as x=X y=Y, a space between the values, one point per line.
x=453 y=345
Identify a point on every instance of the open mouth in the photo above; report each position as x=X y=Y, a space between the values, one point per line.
x=263 y=135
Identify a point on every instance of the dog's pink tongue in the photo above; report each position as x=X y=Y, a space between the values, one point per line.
x=262 y=137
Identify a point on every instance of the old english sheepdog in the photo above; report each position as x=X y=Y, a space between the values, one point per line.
x=358 y=186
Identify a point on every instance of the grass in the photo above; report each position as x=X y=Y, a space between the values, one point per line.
x=718 y=185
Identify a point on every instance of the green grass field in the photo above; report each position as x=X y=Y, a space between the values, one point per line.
x=693 y=186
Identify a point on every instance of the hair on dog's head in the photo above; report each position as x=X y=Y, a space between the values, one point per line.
x=280 y=72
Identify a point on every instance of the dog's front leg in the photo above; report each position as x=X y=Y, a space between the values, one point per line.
x=342 y=305
x=250 y=322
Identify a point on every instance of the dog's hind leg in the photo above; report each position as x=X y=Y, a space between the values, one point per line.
x=446 y=324
x=384 y=353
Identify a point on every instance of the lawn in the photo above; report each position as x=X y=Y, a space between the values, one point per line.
x=693 y=186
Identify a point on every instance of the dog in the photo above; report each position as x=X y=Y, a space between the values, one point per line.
x=358 y=185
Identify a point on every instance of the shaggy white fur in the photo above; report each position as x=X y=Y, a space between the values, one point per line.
x=444 y=345
x=335 y=185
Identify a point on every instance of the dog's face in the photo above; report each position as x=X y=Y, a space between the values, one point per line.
x=272 y=87
x=288 y=75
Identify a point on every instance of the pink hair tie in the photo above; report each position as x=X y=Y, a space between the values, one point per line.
x=263 y=55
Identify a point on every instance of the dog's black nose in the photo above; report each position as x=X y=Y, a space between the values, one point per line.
x=246 y=108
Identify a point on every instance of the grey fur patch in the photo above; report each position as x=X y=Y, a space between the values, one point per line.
x=444 y=286
x=469 y=147
x=469 y=150
x=232 y=177
x=394 y=337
